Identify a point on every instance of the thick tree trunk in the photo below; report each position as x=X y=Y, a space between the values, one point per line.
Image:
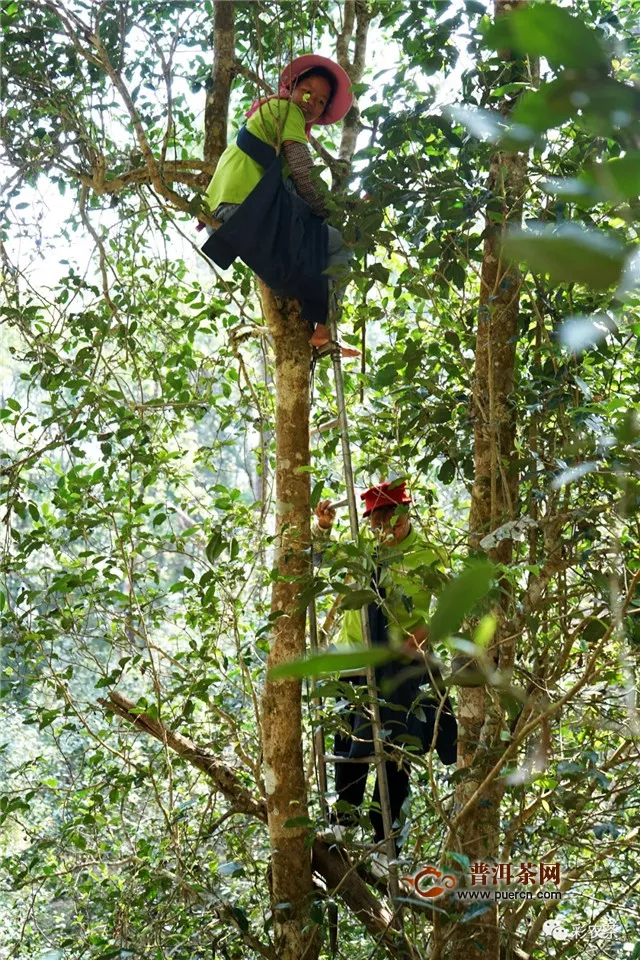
x=282 y=701
x=493 y=502
x=216 y=110
x=281 y=704
x=355 y=20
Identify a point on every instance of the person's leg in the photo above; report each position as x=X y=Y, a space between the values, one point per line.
x=350 y=779
x=398 y=784
x=339 y=257
x=224 y=211
x=338 y=260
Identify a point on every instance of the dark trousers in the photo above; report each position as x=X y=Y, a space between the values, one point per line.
x=351 y=780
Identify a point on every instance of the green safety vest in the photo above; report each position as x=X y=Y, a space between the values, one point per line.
x=408 y=571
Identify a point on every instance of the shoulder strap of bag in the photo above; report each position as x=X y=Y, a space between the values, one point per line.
x=263 y=153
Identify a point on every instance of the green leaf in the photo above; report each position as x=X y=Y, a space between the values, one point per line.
x=484 y=124
x=241 y=918
x=594 y=631
x=47 y=717
x=231 y=869
x=215 y=546
x=568 y=253
x=570 y=189
x=298 y=822
x=379 y=272
x=600 y=105
x=447 y=471
x=386 y=376
x=356 y=599
x=546 y=30
x=619 y=178
x=316 y=493
x=327 y=663
x=485 y=631
x=460 y=597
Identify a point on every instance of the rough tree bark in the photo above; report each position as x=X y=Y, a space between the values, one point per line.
x=216 y=110
x=282 y=699
x=356 y=17
x=493 y=502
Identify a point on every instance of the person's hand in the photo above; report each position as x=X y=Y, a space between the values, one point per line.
x=415 y=643
x=326 y=514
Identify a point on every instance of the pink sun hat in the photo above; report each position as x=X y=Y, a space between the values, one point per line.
x=342 y=98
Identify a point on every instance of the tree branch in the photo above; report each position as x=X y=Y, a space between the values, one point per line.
x=333 y=865
x=223 y=776
x=356 y=13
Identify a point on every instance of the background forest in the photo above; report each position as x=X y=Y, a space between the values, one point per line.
x=488 y=179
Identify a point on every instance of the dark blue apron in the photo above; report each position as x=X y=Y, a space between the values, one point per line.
x=277 y=235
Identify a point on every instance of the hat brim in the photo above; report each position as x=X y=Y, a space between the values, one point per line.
x=383 y=506
x=341 y=100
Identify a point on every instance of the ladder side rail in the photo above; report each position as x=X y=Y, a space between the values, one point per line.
x=381 y=771
x=319 y=750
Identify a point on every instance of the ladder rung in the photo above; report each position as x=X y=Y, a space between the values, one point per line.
x=333 y=758
x=329 y=425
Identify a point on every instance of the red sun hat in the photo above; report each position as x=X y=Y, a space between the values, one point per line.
x=342 y=98
x=391 y=493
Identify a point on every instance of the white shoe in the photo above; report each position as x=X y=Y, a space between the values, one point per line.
x=379 y=865
x=335 y=834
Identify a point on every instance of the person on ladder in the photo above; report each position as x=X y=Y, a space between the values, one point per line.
x=399 y=618
x=269 y=199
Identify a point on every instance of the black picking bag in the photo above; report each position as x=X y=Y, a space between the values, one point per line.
x=277 y=235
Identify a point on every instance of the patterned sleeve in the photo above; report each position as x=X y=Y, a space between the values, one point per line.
x=302 y=173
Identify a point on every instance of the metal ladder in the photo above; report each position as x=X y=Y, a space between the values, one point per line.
x=321 y=756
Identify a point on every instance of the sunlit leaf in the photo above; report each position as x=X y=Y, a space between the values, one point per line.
x=483 y=124
x=485 y=631
x=571 y=189
x=569 y=253
x=580 y=333
x=460 y=597
x=547 y=30
x=571 y=474
x=619 y=178
x=327 y=663
x=630 y=279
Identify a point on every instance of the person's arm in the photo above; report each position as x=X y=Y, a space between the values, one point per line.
x=300 y=164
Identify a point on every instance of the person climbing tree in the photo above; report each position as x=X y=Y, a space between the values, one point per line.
x=269 y=199
x=405 y=570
